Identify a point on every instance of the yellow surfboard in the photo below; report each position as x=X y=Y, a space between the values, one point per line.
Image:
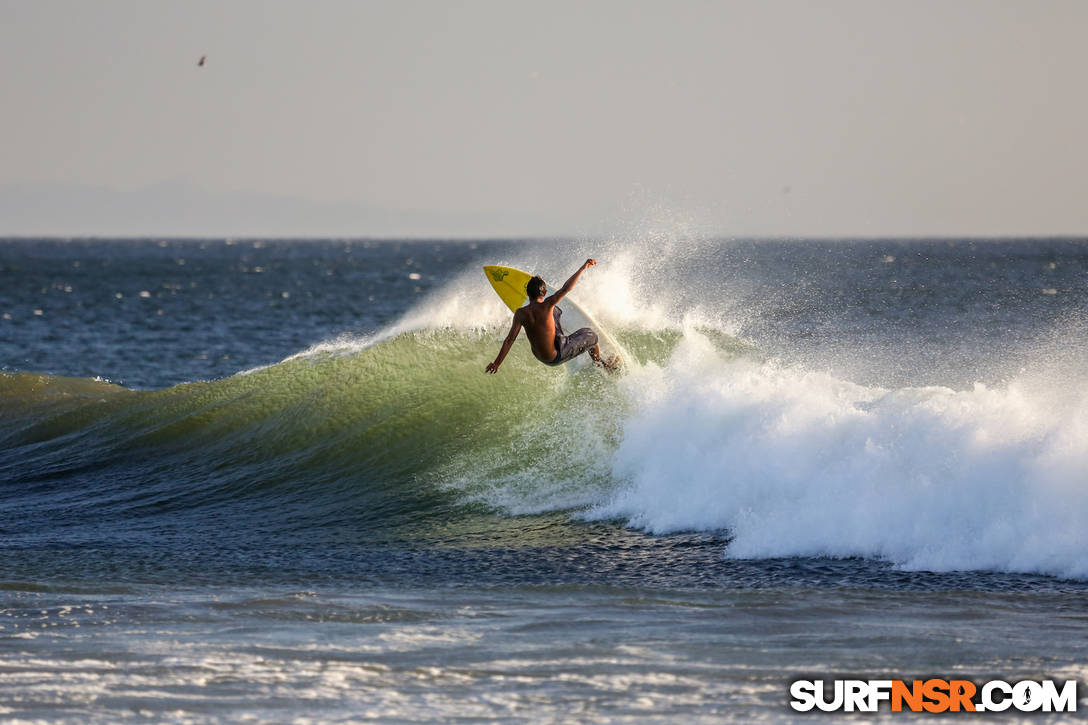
x=509 y=285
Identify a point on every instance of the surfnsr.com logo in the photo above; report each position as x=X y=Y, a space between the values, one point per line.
x=933 y=695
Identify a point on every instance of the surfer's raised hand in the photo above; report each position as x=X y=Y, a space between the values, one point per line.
x=491 y=368
x=569 y=284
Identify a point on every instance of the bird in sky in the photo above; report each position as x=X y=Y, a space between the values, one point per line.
x=200 y=62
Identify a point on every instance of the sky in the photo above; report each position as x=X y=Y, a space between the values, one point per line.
x=509 y=118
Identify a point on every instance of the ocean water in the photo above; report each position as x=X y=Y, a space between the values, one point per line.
x=270 y=481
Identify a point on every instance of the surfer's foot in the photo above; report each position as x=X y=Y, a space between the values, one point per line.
x=612 y=364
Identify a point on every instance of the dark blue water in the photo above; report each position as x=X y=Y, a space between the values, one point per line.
x=156 y=313
x=275 y=474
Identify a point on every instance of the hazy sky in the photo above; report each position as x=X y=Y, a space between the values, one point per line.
x=372 y=118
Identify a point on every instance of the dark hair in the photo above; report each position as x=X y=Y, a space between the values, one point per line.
x=535 y=287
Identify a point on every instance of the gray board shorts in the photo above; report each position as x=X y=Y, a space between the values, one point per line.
x=568 y=347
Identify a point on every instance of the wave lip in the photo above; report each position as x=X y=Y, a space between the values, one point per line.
x=792 y=463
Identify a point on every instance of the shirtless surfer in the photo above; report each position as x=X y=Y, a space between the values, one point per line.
x=540 y=318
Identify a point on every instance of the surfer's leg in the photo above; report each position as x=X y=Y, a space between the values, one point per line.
x=576 y=343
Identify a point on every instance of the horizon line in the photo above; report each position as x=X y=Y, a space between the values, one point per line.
x=522 y=238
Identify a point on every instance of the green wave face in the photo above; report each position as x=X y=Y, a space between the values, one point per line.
x=397 y=430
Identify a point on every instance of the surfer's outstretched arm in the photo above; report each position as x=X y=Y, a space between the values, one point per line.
x=569 y=284
x=515 y=328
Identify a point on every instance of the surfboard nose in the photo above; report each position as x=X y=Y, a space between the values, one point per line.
x=508 y=283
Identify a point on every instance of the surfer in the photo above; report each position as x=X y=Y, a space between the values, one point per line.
x=540 y=318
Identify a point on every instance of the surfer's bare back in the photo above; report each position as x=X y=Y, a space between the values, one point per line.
x=540 y=318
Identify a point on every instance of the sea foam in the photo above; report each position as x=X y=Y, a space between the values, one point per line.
x=797 y=463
